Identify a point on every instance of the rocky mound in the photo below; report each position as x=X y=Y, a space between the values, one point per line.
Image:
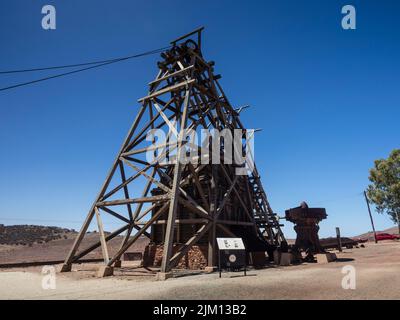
x=370 y=235
x=30 y=234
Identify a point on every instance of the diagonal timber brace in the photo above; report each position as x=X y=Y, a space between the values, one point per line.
x=178 y=205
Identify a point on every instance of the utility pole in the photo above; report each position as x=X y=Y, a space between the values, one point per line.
x=398 y=220
x=370 y=215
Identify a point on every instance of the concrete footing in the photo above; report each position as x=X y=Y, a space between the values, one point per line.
x=277 y=257
x=66 y=268
x=283 y=258
x=162 y=276
x=210 y=269
x=105 y=271
x=325 y=257
x=286 y=259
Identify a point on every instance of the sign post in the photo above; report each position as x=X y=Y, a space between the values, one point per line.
x=339 y=239
x=231 y=254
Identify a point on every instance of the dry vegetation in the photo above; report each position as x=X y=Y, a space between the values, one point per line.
x=30 y=234
x=28 y=243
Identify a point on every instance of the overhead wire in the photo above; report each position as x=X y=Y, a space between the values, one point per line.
x=93 y=65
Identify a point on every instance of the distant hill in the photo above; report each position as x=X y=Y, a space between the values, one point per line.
x=23 y=243
x=28 y=243
x=370 y=235
x=392 y=230
x=30 y=234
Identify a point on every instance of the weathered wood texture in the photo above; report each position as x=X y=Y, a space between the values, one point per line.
x=179 y=205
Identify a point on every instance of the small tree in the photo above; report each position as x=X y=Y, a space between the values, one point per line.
x=384 y=191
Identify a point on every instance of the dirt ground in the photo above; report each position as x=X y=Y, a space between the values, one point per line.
x=58 y=249
x=377 y=269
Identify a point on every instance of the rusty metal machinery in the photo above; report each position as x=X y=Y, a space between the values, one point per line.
x=180 y=205
x=306 y=226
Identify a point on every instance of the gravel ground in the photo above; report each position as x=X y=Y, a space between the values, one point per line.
x=58 y=249
x=377 y=277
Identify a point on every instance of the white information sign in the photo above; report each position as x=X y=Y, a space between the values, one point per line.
x=230 y=244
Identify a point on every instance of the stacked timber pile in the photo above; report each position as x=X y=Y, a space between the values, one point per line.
x=194 y=259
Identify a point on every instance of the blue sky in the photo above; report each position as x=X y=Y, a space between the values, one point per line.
x=327 y=99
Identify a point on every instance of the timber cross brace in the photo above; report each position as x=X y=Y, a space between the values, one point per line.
x=174 y=204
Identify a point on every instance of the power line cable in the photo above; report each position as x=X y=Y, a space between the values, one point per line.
x=99 y=64
x=59 y=67
x=80 y=64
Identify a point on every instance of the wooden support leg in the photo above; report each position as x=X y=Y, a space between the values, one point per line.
x=212 y=231
x=103 y=242
x=68 y=261
x=105 y=271
x=169 y=234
